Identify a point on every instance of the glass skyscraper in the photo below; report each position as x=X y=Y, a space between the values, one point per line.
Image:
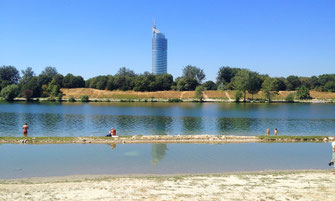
x=159 y=52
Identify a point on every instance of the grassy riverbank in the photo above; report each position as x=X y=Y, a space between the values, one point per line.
x=269 y=185
x=197 y=139
x=177 y=96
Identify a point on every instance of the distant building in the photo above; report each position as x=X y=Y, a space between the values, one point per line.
x=159 y=52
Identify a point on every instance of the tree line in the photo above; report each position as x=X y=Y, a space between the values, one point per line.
x=48 y=83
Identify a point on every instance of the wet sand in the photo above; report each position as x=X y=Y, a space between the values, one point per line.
x=273 y=185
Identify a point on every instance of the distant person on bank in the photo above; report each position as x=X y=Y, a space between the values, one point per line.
x=333 y=156
x=112 y=133
x=25 y=130
x=276 y=131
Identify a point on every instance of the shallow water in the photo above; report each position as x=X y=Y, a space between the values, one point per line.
x=21 y=161
x=77 y=119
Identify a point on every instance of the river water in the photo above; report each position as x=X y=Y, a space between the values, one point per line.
x=96 y=119
x=21 y=161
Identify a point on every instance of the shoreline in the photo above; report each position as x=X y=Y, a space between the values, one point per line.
x=173 y=100
x=258 y=185
x=166 y=139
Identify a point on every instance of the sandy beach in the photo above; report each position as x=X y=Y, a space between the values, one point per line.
x=270 y=185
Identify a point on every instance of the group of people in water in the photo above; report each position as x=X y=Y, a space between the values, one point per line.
x=268 y=131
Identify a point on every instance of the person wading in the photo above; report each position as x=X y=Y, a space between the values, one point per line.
x=25 y=130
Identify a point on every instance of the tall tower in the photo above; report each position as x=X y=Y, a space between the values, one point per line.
x=159 y=52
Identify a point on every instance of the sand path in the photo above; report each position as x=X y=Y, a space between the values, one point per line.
x=227 y=94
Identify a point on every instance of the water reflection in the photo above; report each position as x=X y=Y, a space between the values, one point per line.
x=158 y=151
x=229 y=125
x=192 y=125
x=165 y=118
x=112 y=146
x=21 y=161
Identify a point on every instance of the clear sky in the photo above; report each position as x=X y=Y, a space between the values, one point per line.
x=97 y=37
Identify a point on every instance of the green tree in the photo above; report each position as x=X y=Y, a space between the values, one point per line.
x=193 y=72
x=58 y=79
x=9 y=74
x=209 y=85
x=71 y=81
x=123 y=83
x=164 y=82
x=292 y=82
x=254 y=83
x=34 y=86
x=55 y=90
x=49 y=71
x=10 y=92
x=186 y=84
x=238 y=96
x=226 y=74
x=123 y=71
x=329 y=86
x=281 y=83
x=198 y=94
x=47 y=75
x=269 y=87
x=303 y=93
x=144 y=82
x=27 y=75
x=241 y=82
x=110 y=83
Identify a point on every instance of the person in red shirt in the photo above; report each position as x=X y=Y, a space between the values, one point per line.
x=112 y=133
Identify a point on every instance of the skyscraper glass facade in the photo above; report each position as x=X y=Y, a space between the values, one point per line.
x=159 y=52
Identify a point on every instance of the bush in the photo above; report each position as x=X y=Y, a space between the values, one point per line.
x=209 y=85
x=238 y=96
x=329 y=86
x=27 y=94
x=303 y=93
x=84 y=98
x=175 y=100
x=59 y=97
x=198 y=93
x=10 y=92
x=290 y=98
x=71 y=99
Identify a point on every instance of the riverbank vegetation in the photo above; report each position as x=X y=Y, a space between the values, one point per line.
x=245 y=84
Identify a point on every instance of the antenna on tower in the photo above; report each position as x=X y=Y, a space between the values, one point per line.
x=153 y=23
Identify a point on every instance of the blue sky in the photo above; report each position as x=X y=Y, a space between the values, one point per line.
x=90 y=38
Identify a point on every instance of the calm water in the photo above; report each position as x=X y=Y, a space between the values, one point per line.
x=76 y=119
x=19 y=161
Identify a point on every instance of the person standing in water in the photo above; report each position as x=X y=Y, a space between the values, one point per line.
x=25 y=130
x=276 y=131
x=268 y=131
